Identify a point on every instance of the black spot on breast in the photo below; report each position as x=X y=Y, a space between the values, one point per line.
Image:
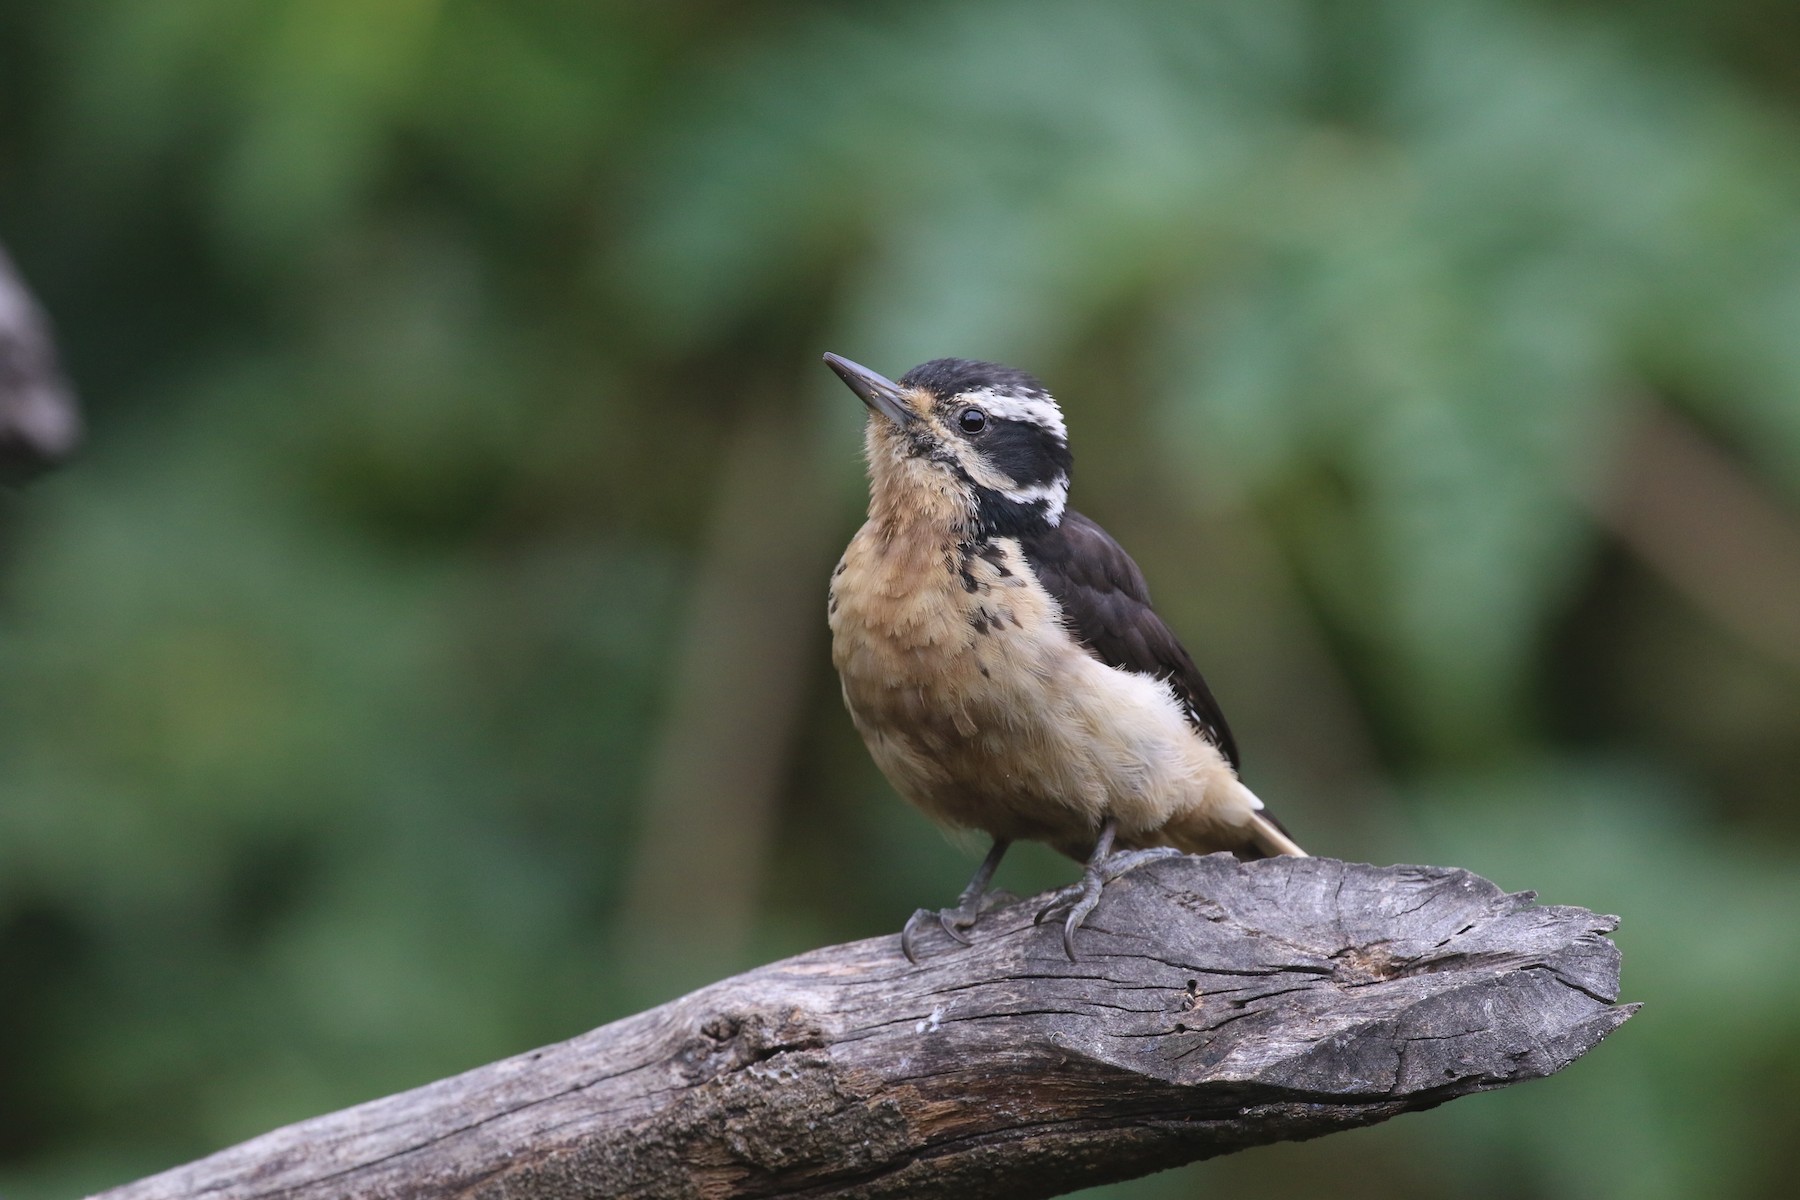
x=963 y=562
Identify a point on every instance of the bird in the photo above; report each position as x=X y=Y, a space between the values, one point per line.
x=1000 y=657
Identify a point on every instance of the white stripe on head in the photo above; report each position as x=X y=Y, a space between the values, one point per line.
x=1035 y=407
x=1054 y=496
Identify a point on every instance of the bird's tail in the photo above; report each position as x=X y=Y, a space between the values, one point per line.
x=1267 y=834
x=1262 y=836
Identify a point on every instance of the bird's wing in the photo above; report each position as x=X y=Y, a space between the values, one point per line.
x=1107 y=604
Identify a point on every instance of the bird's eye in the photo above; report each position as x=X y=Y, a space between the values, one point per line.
x=972 y=420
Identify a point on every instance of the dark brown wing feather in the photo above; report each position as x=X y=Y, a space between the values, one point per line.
x=1107 y=604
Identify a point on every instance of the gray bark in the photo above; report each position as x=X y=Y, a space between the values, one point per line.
x=1217 y=1005
x=39 y=423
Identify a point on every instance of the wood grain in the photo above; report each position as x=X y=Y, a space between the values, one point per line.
x=1217 y=1005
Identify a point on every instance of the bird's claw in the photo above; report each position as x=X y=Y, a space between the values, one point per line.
x=975 y=900
x=951 y=920
x=911 y=930
x=1084 y=895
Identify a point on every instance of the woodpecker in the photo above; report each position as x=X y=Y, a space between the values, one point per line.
x=1000 y=657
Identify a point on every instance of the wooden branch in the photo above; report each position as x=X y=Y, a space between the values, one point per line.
x=39 y=423
x=1217 y=1005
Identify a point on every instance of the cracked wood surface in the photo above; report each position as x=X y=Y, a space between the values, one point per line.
x=1217 y=1005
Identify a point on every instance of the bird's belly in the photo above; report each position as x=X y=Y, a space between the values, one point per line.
x=983 y=712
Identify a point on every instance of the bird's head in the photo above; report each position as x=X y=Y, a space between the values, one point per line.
x=989 y=437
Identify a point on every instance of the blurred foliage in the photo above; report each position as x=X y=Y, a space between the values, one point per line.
x=337 y=684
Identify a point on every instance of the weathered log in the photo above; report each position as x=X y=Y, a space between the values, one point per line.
x=39 y=423
x=1216 y=1005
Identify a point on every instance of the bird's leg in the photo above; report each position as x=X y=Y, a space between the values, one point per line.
x=1103 y=866
x=968 y=905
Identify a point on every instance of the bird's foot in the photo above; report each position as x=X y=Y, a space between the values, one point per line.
x=1082 y=896
x=975 y=900
x=953 y=921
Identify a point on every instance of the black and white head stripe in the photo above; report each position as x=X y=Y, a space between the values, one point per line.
x=947 y=377
x=1015 y=510
x=1025 y=452
x=1031 y=466
x=1003 y=392
x=1020 y=460
x=1034 y=408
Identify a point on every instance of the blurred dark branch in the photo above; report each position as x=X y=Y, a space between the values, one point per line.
x=39 y=424
x=1218 y=1006
x=735 y=703
x=1712 y=531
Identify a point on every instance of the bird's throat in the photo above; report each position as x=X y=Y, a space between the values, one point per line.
x=913 y=498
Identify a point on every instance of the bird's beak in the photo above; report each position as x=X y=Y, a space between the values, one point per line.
x=880 y=393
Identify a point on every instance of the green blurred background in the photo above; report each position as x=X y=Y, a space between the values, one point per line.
x=426 y=660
